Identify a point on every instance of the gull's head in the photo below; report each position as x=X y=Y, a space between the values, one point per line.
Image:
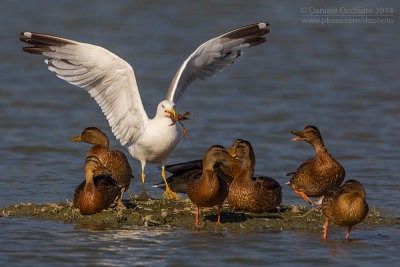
x=165 y=109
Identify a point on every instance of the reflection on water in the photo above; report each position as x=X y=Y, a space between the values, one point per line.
x=76 y=245
x=341 y=77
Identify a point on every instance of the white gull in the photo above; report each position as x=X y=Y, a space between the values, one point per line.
x=111 y=82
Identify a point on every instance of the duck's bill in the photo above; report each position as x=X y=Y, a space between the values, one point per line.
x=232 y=152
x=300 y=136
x=233 y=160
x=75 y=139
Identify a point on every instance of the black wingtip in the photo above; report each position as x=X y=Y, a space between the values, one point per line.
x=33 y=50
x=256 y=41
x=44 y=39
x=254 y=30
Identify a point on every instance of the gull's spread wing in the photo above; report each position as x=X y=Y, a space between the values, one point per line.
x=109 y=79
x=214 y=55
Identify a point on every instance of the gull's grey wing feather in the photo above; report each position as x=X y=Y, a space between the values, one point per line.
x=214 y=55
x=109 y=79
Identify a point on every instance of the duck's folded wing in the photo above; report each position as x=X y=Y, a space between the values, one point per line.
x=185 y=166
x=214 y=55
x=109 y=79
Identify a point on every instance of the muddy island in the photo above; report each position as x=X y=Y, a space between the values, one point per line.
x=180 y=213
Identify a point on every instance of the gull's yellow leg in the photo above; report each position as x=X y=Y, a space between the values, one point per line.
x=143 y=196
x=168 y=192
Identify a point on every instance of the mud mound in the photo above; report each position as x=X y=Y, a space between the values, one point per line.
x=180 y=213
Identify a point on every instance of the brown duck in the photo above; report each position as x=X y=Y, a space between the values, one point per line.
x=316 y=175
x=345 y=206
x=208 y=189
x=114 y=160
x=181 y=172
x=95 y=193
x=255 y=194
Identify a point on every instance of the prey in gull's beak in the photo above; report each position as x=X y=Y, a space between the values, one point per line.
x=171 y=113
x=300 y=134
x=176 y=117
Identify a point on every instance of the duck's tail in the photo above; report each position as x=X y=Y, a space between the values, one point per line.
x=160 y=185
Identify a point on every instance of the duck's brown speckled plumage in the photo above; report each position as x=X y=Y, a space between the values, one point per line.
x=345 y=205
x=182 y=171
x=208 y=189
x=114 y=160
x=255 y=194
x=95 y=193
x=316 y=175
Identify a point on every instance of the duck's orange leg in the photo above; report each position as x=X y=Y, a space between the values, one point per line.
x=219 y=215
x=120 y=196
x=129 y=191
x=197 y=216
x=348 y=232
x=326 y=230
x=304 y=196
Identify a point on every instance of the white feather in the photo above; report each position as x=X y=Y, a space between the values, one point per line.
x=111 y=82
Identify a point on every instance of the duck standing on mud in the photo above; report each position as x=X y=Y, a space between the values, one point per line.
x=345 y=205
x=209 y=189
x=316 y=175
x=181 y=172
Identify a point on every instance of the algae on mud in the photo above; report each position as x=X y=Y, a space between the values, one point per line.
x=180 y=213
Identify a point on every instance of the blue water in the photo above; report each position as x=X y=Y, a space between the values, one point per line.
x=340 y=77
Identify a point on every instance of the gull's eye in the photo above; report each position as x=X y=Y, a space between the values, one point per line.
x=162 y=106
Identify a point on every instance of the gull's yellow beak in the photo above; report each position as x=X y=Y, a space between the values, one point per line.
x=76 y=139
x=171 y=111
